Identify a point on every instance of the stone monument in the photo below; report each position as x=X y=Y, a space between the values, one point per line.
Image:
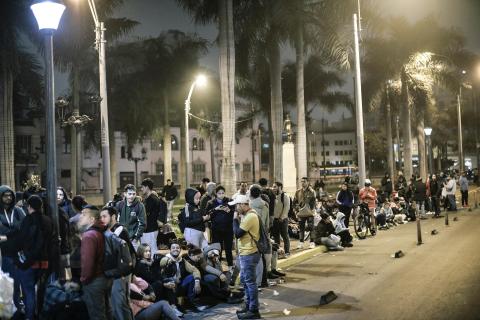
x=288 y=157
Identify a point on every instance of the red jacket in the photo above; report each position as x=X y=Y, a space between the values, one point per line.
x=369 y=195
x=92 y=252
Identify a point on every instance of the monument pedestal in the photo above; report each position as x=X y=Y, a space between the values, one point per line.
x=289 y=168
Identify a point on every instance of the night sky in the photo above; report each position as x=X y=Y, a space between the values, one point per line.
x=156 y=16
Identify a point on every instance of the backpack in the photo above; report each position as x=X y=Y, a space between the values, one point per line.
x=263 y=244
x=117 y=260
x=291 y=212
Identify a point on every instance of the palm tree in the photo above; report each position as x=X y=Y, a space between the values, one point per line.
x=73 y=48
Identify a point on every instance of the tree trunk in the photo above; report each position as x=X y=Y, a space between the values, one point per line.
x=182 y=180
x=391 y=162
x=113 y=162
x=301 y=141
x=227 y=83
x=7 y=157
x=422 y=154
x=212 y=154
x=276 y=108
x=167 y=140
x=73 y=136
x=407 y=129
x=271 y=176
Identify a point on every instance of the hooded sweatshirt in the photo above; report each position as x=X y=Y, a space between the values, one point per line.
x=261 y=208
x=11 y=218
x=191 y=214
x=92 y=252
x=207 y=196
x=132 y=217
x=221 y=220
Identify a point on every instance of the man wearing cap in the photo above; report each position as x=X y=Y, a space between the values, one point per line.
x=247 y=232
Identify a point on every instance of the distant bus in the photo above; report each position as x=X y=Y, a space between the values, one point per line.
x=338 y=172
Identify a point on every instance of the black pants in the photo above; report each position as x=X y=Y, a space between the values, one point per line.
x=464 y=197
x=435 y=205
x=302 y=223
x=280 y=228
x=224 y=236
x=346 y=211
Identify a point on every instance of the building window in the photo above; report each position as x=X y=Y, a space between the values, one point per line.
x=42 y=144
x=201 y=144
x=351 y=142
x=340 y=153
x=159 y=168
x=175 y=145
x=336 y=142
x=156 y=144
x=194 y=144
x=23 y=144
x=336 y=153
x=65 y=173
x=340 y=142
x=198 y=171
x=247 y=171
x=67 y=146
x=345 y=142
x=328 y=153
x=123 y=152
x=175 y=172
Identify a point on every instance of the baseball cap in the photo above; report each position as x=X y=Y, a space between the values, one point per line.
x=241 y=198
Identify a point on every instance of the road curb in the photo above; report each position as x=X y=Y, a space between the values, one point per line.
x=300 y=257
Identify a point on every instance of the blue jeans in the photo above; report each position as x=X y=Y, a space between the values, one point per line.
x=248 y=265
x=28 y=279
x=8 y=266
x=188 y=286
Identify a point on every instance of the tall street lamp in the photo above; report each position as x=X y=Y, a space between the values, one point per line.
x=100 y=46
x=135 y=160
x=428 y=133
x=48 y=15
x=200 y=80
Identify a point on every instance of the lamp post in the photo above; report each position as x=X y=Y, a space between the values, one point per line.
x=136 y=159
x=200 y=80
x=48 y=15
x=428 y=133
x=100 y=46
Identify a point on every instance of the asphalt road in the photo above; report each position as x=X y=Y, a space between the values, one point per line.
x=437 y=280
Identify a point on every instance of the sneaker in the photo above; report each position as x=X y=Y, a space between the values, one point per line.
x=243 y=310
x=278 y=273
x=249 y=315
x=287 y=254
x=271 y=275
x=300 y=245
x=312 y=245
x=178 y=313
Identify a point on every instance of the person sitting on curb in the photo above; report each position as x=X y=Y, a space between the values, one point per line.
x=324 y=233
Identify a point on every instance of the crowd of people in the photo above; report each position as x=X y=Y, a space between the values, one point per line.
x=125 y=261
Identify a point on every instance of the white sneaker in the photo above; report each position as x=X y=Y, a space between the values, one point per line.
x=178 y=313
x=312 y=245
x=300 y=245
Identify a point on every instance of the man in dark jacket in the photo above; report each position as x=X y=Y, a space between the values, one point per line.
x=345 y=202
x=170 y=193
x=132 y=214
x=435 y=188
x=270 y=197
x=420 y=195
x=156 y=212
x=34 y=241
x=96 y=287
x=10 y=220
x=387 y=186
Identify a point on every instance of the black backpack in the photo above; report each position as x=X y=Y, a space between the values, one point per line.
x=263 y=244
x=118 y=260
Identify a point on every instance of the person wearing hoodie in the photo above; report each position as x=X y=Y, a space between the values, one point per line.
x=345 y=202
x=132 y=214
x=181 y=277
x=10 y=220
x=64 y=202
x=96 y=287
x=221 y=215
x=34 y=241
x=435 y=190
x=420 y=195
x=207 y=196
x=191 y=221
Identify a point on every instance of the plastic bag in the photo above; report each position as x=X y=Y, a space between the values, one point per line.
x=6 y=296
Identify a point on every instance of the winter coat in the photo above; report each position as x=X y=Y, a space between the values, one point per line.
x=463 y=182
x=191 y=214
x=435 y=188
x=369 y=195
x=345 y=198
x=387 y=184
x=92 y=252
x=261 y=208
x=132 y=217
x=221 y=220
x=11 y=218
x=155 y=210
x=420 y=191
x=170 y=192
x=207 y=196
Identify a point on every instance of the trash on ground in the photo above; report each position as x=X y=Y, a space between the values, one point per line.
x=275 y=293
x=327 y=298
x=455 y=219
x=434 y=232
x=286 y=312
x=398 y=254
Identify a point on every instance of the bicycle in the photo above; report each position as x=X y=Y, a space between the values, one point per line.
x=361 y=221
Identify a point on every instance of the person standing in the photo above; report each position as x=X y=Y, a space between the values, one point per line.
x=345 y=202
x=11 y=218
x=450 y=190
x=156 y=212
x=280 y=217
x=387 y=186
x=33 y=246
x=420 y=196
x=222 y=218
x=435 y=189
x=191 y=221
x=132 y=214
x=96 y=287
x=64 y=202
x=120 y=286
x=463 y=182
x=246 y=231
x=304 y=202
x=368 y=194
x=170 y=193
